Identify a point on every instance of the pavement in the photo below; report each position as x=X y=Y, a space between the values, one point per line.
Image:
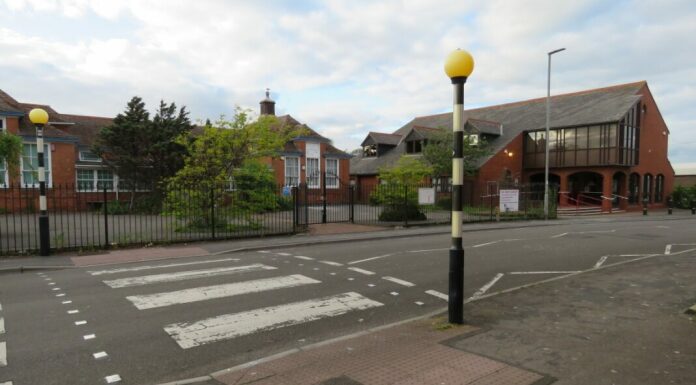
x=623 y=323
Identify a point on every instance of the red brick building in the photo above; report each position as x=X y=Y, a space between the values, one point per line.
x=608 y=147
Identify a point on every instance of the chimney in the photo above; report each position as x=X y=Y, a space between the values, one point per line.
x=267 y=105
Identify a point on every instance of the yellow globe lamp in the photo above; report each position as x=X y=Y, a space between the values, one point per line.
x=459 y=64
x=38 y=116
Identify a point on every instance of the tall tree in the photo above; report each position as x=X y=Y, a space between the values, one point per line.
x=165 y=153
x=438 y=154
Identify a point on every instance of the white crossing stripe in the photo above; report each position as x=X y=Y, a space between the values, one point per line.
x=100 y=355
x=543 y=272
x=361 y=271
x=487 y=286
x=150 y=267
x=112 y=378
x=331 y=263
x=304 y=258
x=89 y=337
x=6 y=383
x=150 y=301
x=399 y=281
x=3 y=354
x=2 y=325
x=74 y=311
x=189 y=335
x=79 y=323
x=437 y=294
x=184 y=275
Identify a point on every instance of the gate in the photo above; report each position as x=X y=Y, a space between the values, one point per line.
x=321 y=203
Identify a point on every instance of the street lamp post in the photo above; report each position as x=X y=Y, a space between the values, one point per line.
x=39 y=118
x=458 y=67
x=546 y=145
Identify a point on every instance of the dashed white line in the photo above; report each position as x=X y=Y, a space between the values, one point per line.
x=150 y=301
x=51 y=283
x=399 y=281
x=184 y=275
x=361 y=271
x=601 y=261
x=543 y=272
x=437 y=294
x=487 y=286
x=331 y=263
x=304 y=258
x=427 y=250
x=89 y=337
x=112 y=378
x=559 y=235
x=55 y=289
x=66 y=302
x=284 y=254
x=74 y=311
x=99 y=355
x=394 y=293
x=80 y=323
x=150 y=267
x=60 y=295
x=264 y=251
x=225 y=327
x=419 y=303
x=370 y=259
x=486 y=244
x=668 y=249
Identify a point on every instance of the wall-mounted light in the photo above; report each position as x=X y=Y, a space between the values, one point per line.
x=509 y=153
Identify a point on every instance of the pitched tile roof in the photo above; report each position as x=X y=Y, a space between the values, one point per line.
x=586 y=107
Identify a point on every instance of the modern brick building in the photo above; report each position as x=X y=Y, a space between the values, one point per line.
x=608 y=147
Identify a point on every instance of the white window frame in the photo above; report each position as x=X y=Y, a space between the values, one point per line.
x=6 y=182
x=296 y=168
x=313 y=178
x=95 y=180
x=89 y=160
x=47 y=167
x=332 y=180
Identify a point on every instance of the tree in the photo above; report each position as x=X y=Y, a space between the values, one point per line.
x=165 y=153
x=10 y=151
x=438 y=154
x=398 y=194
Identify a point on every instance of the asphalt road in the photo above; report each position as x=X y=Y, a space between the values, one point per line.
x=150 y=323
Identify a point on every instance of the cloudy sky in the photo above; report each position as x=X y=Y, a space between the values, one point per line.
x=343 y=67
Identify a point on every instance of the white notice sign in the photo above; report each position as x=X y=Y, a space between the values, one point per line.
x=426 y=196
x=509 y=200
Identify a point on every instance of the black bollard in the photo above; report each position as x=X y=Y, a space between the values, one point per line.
x=645 y=206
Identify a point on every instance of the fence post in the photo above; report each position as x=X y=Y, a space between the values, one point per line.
x=351 y=203
x=294 y=209
x=405 y=205
x=212 y=211
x=106 y=221
x=323 y=198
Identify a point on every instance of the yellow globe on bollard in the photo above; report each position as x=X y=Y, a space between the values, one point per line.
x=38 y=116
x=459 y=63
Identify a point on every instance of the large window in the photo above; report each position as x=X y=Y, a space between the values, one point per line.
x=30 y=165
x=292 y=171
x=313 y=173
x=331 y=173
x=94 y=180
x=415 y=146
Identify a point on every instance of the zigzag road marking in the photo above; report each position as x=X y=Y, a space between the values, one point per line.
x=151 y=301
x=184 y=275
x=189 y=335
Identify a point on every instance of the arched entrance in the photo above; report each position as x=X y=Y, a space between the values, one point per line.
x=586 y=187
x=634 y=189
x=618 y=189
x=537 y=182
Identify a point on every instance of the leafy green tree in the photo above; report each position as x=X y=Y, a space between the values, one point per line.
x=399 y=191
x=10 y=151
x=438 y=154
x=165 y=153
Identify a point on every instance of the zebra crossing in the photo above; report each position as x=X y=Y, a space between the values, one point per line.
x=223 y=327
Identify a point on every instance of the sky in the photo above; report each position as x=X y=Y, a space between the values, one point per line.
x=344 y=68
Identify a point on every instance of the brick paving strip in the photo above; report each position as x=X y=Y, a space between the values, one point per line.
x=409 y=354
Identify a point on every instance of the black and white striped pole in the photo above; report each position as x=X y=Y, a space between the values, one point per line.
x=458 y=67
x=39 y=118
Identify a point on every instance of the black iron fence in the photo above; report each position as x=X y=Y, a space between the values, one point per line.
x=104 y=219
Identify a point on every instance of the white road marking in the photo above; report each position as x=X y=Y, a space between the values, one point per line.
x=189 y=335
x=151 y=301
x=112 y=378
x=394 y=293
x=150 y=267
x=51 y=283
x=668 y=249
x=100 y=355
x=89 y=337
x=419 y=303
x=60 y=295
x=3 y=354
x=370 y=259
x=399 y=281
x=351 y=279
x=184 y=275
x=6 y=383
x=66 y=302
x=284 y=254
x=559 y=235
x=543 y=272
x=2 y=325
x=80 y=323
x=264 y=251
x=316 y=269
x=361 y=271
x=601 y=261
x=635 y=255
x=55 y=289
x=427 y=250
x=332 y=273
x=331 y=263
x=485 y=244
x=663 y=227
x=304 y=258
x=437 y=294
x=487 y=286
x=371 y=284
x=75 y=311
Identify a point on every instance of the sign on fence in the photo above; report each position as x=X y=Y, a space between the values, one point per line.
x=426 y=196
x=509 y=200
